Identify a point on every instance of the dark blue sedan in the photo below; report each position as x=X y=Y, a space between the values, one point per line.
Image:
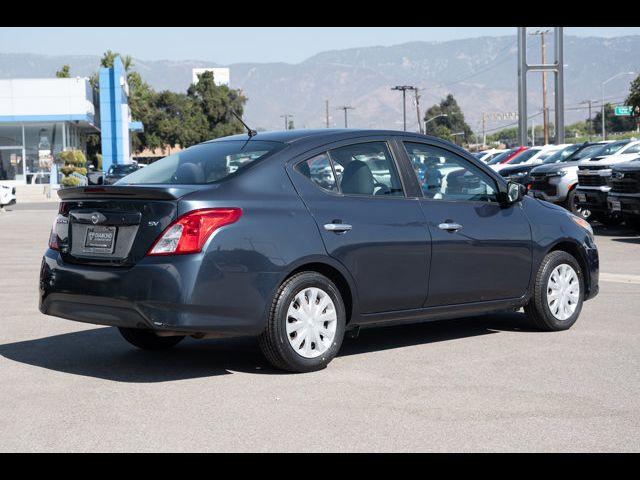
x=297 y=237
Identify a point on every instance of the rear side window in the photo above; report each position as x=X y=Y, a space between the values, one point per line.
x=203 y=163
x=319 y=170
x=359 y=169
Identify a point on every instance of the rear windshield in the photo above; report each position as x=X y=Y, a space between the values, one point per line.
x=203 y=163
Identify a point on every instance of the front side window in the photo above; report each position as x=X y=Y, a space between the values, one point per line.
x=204 y=163
x=443 y=175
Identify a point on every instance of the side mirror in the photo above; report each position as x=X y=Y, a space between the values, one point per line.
x=515 y=192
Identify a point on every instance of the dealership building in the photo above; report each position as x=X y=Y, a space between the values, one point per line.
x=39 y=118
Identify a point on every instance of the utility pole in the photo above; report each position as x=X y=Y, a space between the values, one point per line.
x=345 y=108
x=326 y=104
x=404 y=89
x=286 y=120
x=589 y=119
x=545 y=109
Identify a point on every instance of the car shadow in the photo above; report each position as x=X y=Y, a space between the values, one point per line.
x=627 y=240
x=617 y=231
x=102 y=353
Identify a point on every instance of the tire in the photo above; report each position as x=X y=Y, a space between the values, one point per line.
x=284 y=340
x=570 y=204
x=538 y=310
x=147 y=340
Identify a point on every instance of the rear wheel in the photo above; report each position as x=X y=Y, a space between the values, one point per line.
x=147 y=340
x=306 y=324
x=558 y=293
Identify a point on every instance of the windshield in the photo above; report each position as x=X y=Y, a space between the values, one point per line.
x=523 y=157
x=588 y=152
x=122 y=169
x=609 y=149
x=204 y=163
x=501 y=157
x=560 y=155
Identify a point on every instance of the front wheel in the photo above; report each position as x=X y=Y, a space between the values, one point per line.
x=571 y=204
x=306 y=324
x=557 y=294
x=147 y=340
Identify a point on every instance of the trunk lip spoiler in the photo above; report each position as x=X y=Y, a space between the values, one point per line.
x=148 y=192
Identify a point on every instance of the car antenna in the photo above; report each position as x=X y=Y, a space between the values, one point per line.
x=250 y=132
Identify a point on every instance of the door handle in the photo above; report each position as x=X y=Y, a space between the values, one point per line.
x=337 y=227
x=450 y=227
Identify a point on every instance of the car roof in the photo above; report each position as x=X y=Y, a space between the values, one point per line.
x=292 y=136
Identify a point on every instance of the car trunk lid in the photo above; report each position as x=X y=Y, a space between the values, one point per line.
x=114 y=226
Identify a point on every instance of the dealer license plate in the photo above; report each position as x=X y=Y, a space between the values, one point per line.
x=99 y=239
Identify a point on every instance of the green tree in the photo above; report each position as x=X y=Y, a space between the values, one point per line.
x=445 y=127
x=613 y=122
x=64 y=72
x=216 y=103
x=634 y=99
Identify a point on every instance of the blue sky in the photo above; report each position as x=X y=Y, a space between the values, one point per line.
x=225 y=45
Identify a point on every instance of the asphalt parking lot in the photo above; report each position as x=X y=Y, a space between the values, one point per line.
x=477 y=384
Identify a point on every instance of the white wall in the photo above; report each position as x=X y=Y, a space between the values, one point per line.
x=46 y=96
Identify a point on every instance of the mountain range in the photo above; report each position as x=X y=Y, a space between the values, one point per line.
x=481 y=73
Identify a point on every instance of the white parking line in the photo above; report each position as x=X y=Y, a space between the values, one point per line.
x=620 y=278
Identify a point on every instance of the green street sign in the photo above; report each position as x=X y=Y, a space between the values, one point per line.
x=624 y=110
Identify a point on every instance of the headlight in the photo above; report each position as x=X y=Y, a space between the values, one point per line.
x=582 y=222
x=518 y=174
x=559 y=173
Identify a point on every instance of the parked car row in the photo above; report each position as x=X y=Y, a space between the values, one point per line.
x=598 y=180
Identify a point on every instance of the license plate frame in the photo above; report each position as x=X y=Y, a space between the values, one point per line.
x=582 y=197
x=615 y=206
x=99 y=239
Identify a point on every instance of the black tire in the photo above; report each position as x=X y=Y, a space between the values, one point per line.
x=537 y=310
x=274 y=342
x=571 y=205
x=147 y=340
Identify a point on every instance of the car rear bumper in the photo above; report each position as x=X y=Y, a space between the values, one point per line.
x=157 y=295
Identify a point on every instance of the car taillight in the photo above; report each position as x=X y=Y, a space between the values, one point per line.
x=189 y=233
x=53 y=236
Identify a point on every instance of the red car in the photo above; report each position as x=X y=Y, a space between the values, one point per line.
x=508 y=155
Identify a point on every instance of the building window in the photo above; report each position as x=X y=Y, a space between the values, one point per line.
x=11 y=136
x=43 y=143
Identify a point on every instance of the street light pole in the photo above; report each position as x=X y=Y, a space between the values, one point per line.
x=404 y=89
x=432 y=119
x=604 y=133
